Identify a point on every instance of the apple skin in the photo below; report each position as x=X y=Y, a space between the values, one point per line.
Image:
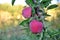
x=27 y=12
x=36 y=26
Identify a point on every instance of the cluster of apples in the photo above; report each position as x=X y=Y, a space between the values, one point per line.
x=35 y=25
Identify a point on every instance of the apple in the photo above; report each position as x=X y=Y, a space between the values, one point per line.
x=27 y=12
x=36 y=26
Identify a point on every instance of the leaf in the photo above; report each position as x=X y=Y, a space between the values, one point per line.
x=33 y=11
x=45 y=14
x=24 y=22
x=52 y=6
x=30 y=3
x=45 y=3
x=13 y=2
x=56 y=33
x=53 y=32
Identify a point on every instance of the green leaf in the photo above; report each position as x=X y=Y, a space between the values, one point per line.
x=13 y=2
x=45 y=3
x=53 y=32
x=33 y=11
x=24 y=22
x=30 y=3
x=52 y=6
x=45 y=14
x=56 y=33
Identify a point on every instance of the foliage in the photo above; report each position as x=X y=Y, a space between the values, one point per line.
x=38 y=8
x=52 y=6
x=13 y=2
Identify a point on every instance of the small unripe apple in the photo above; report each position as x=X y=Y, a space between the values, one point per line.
x=27 y=12
x=36 y=26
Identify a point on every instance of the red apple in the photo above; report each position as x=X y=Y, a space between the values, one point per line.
x=27 y=12
x=36 y=26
